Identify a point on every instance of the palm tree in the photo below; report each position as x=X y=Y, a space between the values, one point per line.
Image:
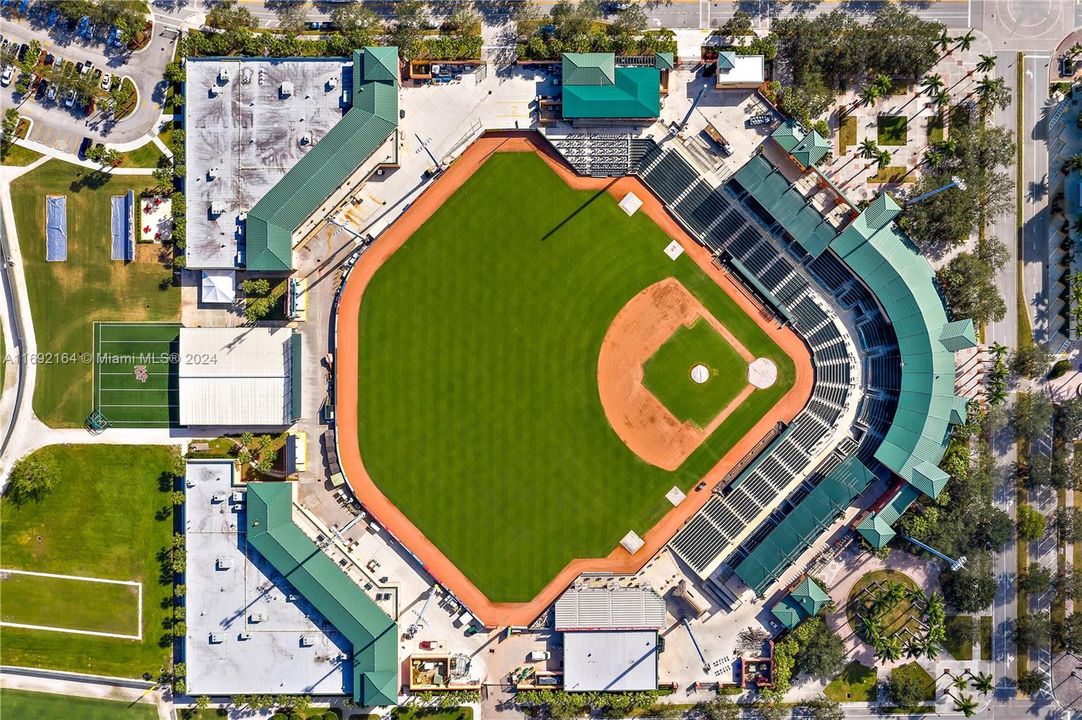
x=869 y=148
x=941 y=98
x=931 y=649
x=999 y=350
x=933 y=158
x=966 y=41
x=869 y=95
x=889 y=649
x=944 y=41
x=983 y=683
x=932 y=84
x=966 y=705
x=913 y=649
x=883 y=159
x=960 y=682
x=986 y=64
x=992 y=91
x=883 y=83
x=1073 y=163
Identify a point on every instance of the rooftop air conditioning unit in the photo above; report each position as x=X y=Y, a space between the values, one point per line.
x=246 y=76
x=257 y=617
x=223 y=563
x=223 y=75
x=306 y=641
x=216 y=638
x=286 y=89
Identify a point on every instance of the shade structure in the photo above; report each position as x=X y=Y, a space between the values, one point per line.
x=218 y=287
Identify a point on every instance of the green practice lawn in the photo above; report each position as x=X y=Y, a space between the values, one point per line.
x=70 y=603
x=22 y=705
x=855 y=683
x=67 y=297
x=891 y=129
x=17 y=155
x=668 y=373
x=144 y=156
x=108 y=516
x=479 y=413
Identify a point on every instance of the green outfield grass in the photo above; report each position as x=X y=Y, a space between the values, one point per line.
x=66 y=298
x=668 y=373
x=109 y=516
x=125 y=399
x=479 y=413
x=70 y=604
x=22 y=705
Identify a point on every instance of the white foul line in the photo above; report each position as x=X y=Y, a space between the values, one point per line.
x=82 y=578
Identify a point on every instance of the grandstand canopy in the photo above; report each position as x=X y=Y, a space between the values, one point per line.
x=594 y=88
x=374 y=636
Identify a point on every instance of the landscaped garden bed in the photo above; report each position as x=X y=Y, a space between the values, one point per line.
x=892 y=129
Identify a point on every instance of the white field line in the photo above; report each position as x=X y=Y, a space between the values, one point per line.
x=82 y=578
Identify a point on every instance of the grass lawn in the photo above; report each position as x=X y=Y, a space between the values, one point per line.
x=22 y=705
x=890 y=174
x=957 y=627
x=856 y=683
x=847 y=134
x=410 y=712
x=902 y=615
x=668 y=373
x=18 y=155
x=67 y=297
x=986 y=637
x=918 y=673
x=479 y=413
x=936 y=126
x=145 y=156
x=891 y=129
x=70 y=604
x=102 y=519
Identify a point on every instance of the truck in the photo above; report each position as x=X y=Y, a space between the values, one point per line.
x=713 y=134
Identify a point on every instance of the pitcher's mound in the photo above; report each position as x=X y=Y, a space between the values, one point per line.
x=700 y=374
x=762 y=373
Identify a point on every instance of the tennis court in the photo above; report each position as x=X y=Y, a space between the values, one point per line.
x=135 y=378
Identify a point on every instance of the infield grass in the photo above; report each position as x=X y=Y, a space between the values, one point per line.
x=479 y=413
x=109 y=515
x=70 y=603
x=668 y=373
x=22 y=705
x=66 y=298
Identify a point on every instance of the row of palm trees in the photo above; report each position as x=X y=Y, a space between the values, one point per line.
x=966 y=704
x=889 y=646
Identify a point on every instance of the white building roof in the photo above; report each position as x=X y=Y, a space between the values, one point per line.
x=745 y=70
x=610 y=609
x=610 y=661
x=236 y=376
x=218 y=287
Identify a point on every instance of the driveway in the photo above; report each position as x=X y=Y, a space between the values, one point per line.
x=58 y=127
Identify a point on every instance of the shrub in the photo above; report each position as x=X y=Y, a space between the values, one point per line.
x=1061 y=368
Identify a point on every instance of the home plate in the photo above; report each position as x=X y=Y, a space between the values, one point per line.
x=674 y=250
x=762 y=373
x=630 y=204
x=675 y=496
x=632 y=542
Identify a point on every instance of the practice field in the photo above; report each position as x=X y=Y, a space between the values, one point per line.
x=135 y=379
x=62 y=603
x=668 y=373
x=108 y=516
x=66 y=298
x=479 y=413
x=22 y=705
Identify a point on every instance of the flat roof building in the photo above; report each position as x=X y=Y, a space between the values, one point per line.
x=739 y=71
x=246 y=376
x=617 y=661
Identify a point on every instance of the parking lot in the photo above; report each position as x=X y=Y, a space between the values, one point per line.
x=61 y=126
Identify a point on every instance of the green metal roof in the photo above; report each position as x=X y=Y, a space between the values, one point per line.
x=959 y=335
x=770 y=189
x=788 y=612
x=904 y=283
x=372 y=119
x=781 y=547
x=589 y=69
x=810 y=596
x=374 y=636
x=929 y=479
x=664 y=61
x=807 y=147
x=897 y=505
x=876 y=531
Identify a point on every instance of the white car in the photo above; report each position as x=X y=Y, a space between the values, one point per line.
x=9 y=72
x=106 y=81
x=70 y=102
x=51 y=94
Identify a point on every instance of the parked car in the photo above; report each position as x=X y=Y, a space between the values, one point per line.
x=54 y=15
x=539 y=656
x=760 y=120
x=43 y=87
x=107 y=82
x=84 y=146
x=70 y=100
x=431 y=645
x=51 y=94
x=9 y=73
x=23 y=49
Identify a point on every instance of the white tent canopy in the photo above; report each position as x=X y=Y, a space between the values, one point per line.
x=218 y=287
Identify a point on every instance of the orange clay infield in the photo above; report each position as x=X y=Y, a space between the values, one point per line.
x=619 y=561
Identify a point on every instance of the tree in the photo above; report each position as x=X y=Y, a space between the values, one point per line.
x=174 y=73
x=1032 y=416
x=1033 y=631
x=255 y=286
x=986 y=64
x=906 y=689
x=292 y=17
x=1031 y=360
x=869 y=148
x=983 y=683
x=968 y=282
x=932 y=84
x=966 y=41
x=944 y=41
x=227 y=15
x=720 y=708
x=202 y=703
x=965 y=704
x=750 y=640
x=1069 y=632
x=1031 y=522
x=888 y=649
x=1068 y=523
x=738 y=24
x=410 y=17
x=992 y=93
x=1031 y=682
x=971 y=588
x=1036 y=579
x=869 y=95
x=632 y=20
x=822 y=654
x=823 y=708
x=357 y=22
x=31 y=479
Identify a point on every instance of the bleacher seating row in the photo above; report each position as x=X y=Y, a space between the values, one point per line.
x=724 y=224
x=600 y=155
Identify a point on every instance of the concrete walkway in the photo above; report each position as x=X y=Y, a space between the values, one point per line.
x=51 y=152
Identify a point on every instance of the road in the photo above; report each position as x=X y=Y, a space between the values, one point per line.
x=58 y=127
x=1035 y=191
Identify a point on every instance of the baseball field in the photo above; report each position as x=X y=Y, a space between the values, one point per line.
x=478 y=411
